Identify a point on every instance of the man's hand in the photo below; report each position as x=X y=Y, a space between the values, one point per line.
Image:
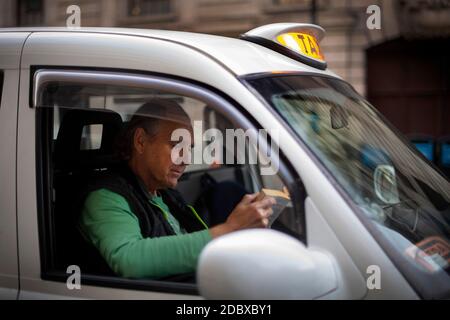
x=249 y=213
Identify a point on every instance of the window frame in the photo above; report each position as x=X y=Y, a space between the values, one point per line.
x=217 y=100
x=2 y=78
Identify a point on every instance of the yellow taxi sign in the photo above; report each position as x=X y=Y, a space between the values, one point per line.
x=298 y=41
x=302 y=43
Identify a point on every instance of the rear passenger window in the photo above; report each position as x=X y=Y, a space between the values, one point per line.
x=81 y=134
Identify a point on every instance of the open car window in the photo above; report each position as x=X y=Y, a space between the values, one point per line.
x=79 y=124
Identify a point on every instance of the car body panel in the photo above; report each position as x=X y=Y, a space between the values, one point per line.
x=236 y=55
x=10 y=51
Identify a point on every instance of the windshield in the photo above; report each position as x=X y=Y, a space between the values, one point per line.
x=394 y=186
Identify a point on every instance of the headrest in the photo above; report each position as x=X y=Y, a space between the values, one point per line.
x=68 y=154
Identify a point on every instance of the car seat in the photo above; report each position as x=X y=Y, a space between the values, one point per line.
x=73 y=168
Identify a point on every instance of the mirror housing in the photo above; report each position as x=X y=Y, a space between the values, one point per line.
x=264 y=264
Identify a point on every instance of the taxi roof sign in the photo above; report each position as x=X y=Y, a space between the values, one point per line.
x=299 y=41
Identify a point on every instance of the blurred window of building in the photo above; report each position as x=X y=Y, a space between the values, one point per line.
x=149 y=7
x=285 y=6
x=289 y=2
x=29 y=12
x=419 y=19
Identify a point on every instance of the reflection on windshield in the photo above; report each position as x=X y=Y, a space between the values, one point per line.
x=395 y=187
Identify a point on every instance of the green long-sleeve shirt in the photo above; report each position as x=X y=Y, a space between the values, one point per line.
x=109 y=224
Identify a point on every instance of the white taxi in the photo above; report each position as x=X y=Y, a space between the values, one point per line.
x=366 y=215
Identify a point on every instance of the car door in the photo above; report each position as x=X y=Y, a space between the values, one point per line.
x=10 y=50
x=41 y=187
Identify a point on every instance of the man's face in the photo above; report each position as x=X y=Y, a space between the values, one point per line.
x=157 y=156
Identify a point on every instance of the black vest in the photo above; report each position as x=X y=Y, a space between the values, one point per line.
x=151 y=220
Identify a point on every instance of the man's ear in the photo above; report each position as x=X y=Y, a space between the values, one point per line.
x=139 y=140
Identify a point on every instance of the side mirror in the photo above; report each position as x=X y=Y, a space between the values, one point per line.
x=264 y=264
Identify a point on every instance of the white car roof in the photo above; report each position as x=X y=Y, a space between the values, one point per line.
x=237 y=56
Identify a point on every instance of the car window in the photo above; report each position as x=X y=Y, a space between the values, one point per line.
x=86 y=121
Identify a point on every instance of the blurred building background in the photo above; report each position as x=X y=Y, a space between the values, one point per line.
x=403 y=68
